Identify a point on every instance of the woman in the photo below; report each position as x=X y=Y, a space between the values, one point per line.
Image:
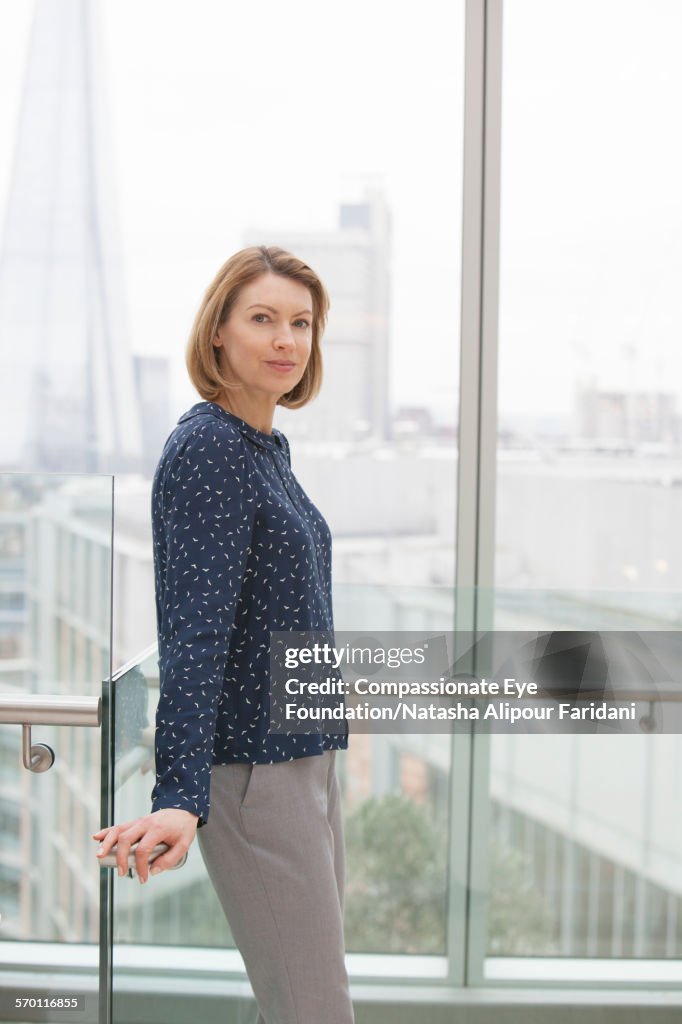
x=240 y=550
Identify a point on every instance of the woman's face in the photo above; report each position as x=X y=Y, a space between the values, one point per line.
x=266 y=340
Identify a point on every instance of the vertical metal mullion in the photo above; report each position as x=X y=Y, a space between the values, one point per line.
x=640 y=923
x=106 y=888
x=566 y=916
x=592 y=942
x=618 y=920
x=476 y=469
x=671 y=925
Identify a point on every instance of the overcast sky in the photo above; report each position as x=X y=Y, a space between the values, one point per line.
x=226 y=117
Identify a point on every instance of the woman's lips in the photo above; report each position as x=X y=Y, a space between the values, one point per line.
x=282 y=367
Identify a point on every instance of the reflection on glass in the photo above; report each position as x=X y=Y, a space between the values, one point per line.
x=584 y=848
x=591 y=859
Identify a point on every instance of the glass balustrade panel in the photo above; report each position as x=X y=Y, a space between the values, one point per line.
x=55 y=608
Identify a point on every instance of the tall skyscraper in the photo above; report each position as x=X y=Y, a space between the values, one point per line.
x=152 y=380
x=67 y=393
x=353 y=262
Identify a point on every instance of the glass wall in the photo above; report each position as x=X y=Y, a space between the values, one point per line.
x=178 y=137
x=590 y=436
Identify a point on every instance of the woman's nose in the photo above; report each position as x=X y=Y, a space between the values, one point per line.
x=284 y=338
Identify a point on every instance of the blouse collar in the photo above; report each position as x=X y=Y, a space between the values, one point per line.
x=273 y=441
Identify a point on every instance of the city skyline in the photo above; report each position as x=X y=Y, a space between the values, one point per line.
x=607 y=312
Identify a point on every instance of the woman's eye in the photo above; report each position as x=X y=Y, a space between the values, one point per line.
x=302 y=321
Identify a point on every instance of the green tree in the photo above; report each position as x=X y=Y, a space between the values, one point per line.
x=520 y=920
x=395 y=878
x=396 y=886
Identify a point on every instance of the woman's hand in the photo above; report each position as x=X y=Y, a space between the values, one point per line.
x=170 y=825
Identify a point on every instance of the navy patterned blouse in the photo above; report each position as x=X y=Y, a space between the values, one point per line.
x=239 y=550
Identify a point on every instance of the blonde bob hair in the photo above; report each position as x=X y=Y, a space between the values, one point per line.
x=220 y=297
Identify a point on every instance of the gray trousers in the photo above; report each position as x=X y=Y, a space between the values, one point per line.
x=273 y=847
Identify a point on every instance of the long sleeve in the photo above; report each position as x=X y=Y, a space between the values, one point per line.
x=203 y=513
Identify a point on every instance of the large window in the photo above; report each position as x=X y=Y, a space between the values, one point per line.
x=338 y=135
x=171 y=137
x=590 y=433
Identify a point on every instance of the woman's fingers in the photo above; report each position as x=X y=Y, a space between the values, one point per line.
x=105 y=833
x=122 y=836
x=108 y=837
x=126 y=838
x=177 y=845
x=174 y=827
x=170 y=858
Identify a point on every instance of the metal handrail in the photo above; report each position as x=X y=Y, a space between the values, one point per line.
x=27 y=709
x=49 y=709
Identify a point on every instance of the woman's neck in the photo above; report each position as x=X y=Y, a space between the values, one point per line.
x=253 y=411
